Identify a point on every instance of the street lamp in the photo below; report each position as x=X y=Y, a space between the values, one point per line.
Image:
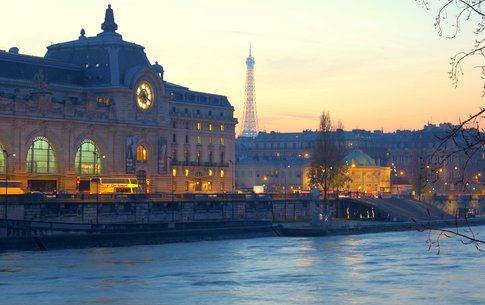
x=172 y=174
x=7 y=155
x=286 y=174
x=232 y=176
x=96 y=172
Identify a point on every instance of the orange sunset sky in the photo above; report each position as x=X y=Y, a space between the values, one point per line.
x=372 y=63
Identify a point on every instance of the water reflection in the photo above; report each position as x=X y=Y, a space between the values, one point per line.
x=387 y=268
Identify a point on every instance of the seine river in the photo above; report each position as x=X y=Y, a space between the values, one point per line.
x=385 y=268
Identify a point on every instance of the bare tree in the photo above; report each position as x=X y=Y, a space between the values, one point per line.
x=326 y=168
x=419 y=174
x=452 y=16
x=464 y=140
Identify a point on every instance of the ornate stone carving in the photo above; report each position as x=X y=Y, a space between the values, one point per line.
x=40 y=81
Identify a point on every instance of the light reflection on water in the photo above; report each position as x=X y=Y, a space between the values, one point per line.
x=386 y=268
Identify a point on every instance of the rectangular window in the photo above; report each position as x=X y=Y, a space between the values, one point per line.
x=186 y=172
x=209 y=186
x=199 y=126
x=222 y=186
x=223 y=128
x=222 y=157
x=211 y=172
x=199 y=155
x=174 y=172
x=222 y=141
x=187 y=155
x=174 y=186
x=186 y=139
x=174 y=138
x=199 y=140
x=211 y=127
x=174 y=155
x=211 y=140
x=211 y=157
x=221 y=173
x=187 y=186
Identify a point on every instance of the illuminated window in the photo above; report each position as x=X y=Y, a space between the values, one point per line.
x=107 y=101
x=199 y=140
x=209 y=186
x=186 y=172
x=187 y=186
x=141 y=153
x=223 y=128
x=40 y=157
x=174 y=186
x=211 y=127
x=87 y=161
x=211 y=173
x=174 y=172
x=211 y=140
x=199 y=126
x=2 y=160
x=222 y=141
x=221 y=173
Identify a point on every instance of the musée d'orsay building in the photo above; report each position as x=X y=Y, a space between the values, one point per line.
x=95 y=106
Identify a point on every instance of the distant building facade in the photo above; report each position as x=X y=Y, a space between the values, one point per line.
x=95 y=106
x=365 y=176
x=400 y=151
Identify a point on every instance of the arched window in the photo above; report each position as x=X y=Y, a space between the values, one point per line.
x=40 y=157
x=2 y=160
x=88 y=161
x=141 y=153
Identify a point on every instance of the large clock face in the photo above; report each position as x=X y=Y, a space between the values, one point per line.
x=144 y=95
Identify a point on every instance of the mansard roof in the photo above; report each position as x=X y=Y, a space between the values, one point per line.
x=25 y=67
x=102 y=60
x=180 y=94
x=286 y=136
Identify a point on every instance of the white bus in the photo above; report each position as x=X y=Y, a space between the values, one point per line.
x=113 y=185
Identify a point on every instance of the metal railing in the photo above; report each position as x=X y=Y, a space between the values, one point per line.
x=153 y=197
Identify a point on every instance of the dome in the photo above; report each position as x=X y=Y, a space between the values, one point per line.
x=359 y=158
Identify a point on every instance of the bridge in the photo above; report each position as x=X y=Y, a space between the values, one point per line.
x=400 y=209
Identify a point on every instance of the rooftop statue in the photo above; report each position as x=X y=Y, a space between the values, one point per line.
x=109 y=24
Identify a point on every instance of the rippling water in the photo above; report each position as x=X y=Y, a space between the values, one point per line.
x=385 y=268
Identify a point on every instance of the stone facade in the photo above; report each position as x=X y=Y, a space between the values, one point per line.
x=101 y=96
x=270 y=153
